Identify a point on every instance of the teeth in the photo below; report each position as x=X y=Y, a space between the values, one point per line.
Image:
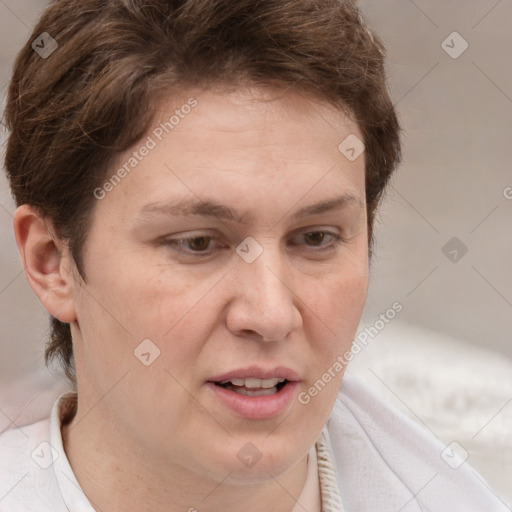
x=256 y=392
x=251 y=383
x=268 y=383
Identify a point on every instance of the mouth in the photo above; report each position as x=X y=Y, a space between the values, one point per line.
x=254 y=393
x=254 y=387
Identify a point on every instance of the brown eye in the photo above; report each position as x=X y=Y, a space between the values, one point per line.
x=199 y=243
x=200 y=246
x=315 y=238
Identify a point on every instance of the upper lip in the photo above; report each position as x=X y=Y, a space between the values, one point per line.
x=258 y=372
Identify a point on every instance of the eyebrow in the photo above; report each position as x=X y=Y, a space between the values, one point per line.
x=208 y=208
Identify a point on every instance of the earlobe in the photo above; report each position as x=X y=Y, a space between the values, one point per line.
x=46 y=263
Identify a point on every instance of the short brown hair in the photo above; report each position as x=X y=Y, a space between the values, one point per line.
x=71 y=113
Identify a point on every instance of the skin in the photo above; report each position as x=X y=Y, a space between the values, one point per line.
x=156 y=434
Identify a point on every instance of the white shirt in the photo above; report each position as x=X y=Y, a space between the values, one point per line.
x=369 y=458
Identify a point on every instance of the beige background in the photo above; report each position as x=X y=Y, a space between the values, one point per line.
x=458 y=123
x=457 y=117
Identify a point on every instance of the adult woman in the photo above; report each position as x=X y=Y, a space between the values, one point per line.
x=197 y=183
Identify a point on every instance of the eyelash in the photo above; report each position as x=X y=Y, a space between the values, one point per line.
x=177 y=243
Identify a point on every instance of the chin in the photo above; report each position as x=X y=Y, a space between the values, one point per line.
x=253 y=462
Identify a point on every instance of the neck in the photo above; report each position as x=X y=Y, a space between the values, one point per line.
x=116 y=475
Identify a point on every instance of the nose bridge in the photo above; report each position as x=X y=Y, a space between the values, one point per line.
x=262 y=274
x=265 y=303
x=267 y=277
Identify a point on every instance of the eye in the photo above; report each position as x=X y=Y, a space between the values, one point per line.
x=199 y=245
x=315 y=237
x=318 y=239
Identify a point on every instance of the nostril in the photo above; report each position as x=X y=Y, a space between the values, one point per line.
x=249 y=333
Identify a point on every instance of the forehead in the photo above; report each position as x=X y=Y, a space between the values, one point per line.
x=248 y=143
x=256 y=114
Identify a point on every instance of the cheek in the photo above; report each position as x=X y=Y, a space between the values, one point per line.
x=332 y=325
x=173 y=310
x=334 y=311
x=136 y=294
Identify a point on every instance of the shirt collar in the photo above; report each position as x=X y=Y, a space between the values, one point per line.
x=331 y=497
x=72 y=494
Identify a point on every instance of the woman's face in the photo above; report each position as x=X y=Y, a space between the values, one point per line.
x=226 y=271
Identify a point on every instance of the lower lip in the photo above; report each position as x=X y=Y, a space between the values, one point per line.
x=256 y=407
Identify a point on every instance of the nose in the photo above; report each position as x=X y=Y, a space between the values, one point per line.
x=264 y=304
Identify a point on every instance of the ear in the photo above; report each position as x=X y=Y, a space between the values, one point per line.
x=46 y=262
